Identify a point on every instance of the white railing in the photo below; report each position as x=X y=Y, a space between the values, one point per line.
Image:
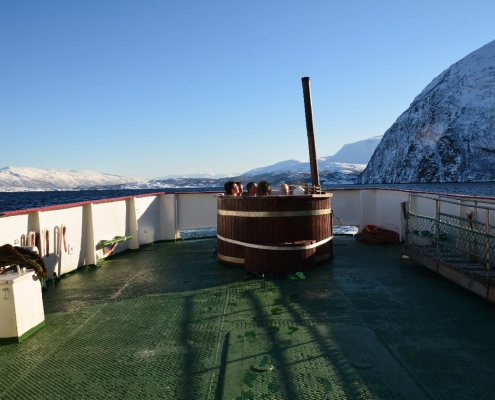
x=75 y=231
x=70 y=236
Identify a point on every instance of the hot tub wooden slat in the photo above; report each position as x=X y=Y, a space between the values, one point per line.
x=243 y=223
x=281 y=260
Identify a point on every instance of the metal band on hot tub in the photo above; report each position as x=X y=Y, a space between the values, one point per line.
x=238 y=260
x=264 y=247
x=307 y=213
x=234 y=260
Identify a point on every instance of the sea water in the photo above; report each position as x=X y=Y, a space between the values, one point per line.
x=482 y=189
x=12 y=201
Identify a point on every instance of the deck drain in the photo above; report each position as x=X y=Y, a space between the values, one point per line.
x=262 y=365
x=259 y=368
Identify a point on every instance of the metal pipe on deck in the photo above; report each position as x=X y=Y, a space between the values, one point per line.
x=313 y=161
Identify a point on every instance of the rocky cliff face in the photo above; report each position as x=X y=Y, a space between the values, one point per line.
x=448 y=132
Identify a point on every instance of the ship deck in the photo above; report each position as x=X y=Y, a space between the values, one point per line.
x=170 y=322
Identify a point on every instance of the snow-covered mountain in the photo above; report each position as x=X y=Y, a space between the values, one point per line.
x=448 y=132
x=339 y=168
x=299 y=172
x=342 y=168
x=351 y=158
x=194 y=176
x=36 y=179
x=355 y=153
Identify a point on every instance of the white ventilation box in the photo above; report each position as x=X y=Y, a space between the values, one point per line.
x=21 y=306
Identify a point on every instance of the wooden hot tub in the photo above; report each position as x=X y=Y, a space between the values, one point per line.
x=275 y=233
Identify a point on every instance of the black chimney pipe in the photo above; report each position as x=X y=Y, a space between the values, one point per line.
x=313 y=161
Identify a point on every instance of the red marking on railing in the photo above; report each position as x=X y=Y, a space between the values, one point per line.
x=64 y=229
x=47 y=243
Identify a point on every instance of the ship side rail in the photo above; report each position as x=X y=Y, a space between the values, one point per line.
x=71 y=235
x=454 y=237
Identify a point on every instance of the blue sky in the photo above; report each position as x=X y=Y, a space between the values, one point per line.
x=151 y=88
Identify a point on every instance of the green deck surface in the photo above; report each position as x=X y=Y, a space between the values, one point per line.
x=170 y=322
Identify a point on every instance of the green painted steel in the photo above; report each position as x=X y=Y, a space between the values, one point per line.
x=170 y=322
x=24 y=336
x=115 y=240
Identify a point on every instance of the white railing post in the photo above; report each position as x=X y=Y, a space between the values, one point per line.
x=132 y=224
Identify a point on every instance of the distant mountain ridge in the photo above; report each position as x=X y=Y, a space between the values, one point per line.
x=37 y=179
x=196 y=176
x=448 y=132
x=351 y=158
x=333 y=170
